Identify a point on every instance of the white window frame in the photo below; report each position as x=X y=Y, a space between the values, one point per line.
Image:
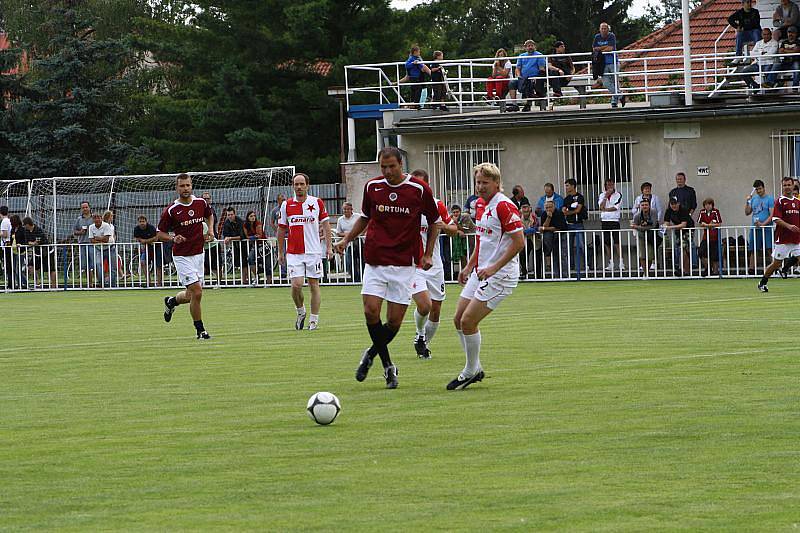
x=450 y=168
x=615 y=160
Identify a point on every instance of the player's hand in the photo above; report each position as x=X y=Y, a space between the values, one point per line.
x=329 y=254
x=463 y=276
x=282 y=259
x=426 y=262
x=486 y=273
x=178 y=239
x=794 y=228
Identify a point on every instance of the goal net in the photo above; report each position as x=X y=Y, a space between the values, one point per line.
x=54 y=203
x=14 y=194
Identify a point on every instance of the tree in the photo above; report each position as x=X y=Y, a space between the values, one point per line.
x=67 y=118
x=666 y=12
x=238 y=84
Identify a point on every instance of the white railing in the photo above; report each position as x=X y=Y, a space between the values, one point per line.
x=639 y=73
x=739 y=251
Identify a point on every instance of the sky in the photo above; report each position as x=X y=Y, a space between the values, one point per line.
x=637 y=8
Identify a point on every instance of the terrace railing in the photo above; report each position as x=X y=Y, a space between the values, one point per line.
x=640 y=74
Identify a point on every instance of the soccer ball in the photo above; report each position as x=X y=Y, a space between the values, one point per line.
x=323 y=408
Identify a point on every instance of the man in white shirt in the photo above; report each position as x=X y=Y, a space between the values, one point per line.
x=610 y=204
x=101 y=234
x=765 y=47
x=352 y=254
x=5 y=244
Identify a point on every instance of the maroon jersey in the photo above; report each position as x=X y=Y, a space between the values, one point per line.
x=788 y=210
x=186 y=220
x=394 y=213
x=711 y=216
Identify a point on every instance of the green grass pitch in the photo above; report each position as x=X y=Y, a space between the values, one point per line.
x=608 y=407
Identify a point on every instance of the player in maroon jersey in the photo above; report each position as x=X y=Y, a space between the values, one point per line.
x=185 y=219
x=786 y=216
x=391 y=213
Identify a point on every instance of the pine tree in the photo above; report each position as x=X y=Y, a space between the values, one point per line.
x=68 y=119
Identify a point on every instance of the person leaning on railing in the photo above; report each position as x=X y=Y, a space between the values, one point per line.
x=788 y=63
x=415 y=68
x=679 y=220
x=497 y=85
x=554 y=238
x=459 y=245
x=254 y=232
x=233 y=236
x=41 y=258
x=561 y=67
x=767 y=46
x=5 y=245
x=710 y=219
x=648 y=239
x=145 y=234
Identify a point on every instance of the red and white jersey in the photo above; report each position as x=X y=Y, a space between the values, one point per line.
x=186 y=220
x=496 y=220
x=394 y=213
x=423 y=232
x=788 y=210
x=303 y=220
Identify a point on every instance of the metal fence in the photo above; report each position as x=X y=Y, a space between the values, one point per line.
x=636 y=72
x=737 y=252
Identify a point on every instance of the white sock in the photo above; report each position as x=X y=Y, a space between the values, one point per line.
x=301 y=311
x=430 y=330
x=419 y=321
x=313 y=318
x=463 y=341
x=472 y=344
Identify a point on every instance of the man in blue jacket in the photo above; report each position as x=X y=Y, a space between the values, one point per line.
x=530 y=65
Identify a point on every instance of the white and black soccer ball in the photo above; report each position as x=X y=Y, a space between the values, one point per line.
x=323 y=408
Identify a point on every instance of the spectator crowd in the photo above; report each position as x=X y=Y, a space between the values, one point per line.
x=675 y=235
x=766 y=51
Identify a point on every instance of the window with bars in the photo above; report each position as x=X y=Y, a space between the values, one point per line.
x=450 y=168
x=785 y=156
x=591 y=161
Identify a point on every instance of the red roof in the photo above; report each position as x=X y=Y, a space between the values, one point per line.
x=706 y=22
x=5 y=44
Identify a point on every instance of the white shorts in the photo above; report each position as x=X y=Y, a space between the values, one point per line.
x=784 y=251
x=304 y=265
x=429 y=280
x=392 y=283
x=189 y=267
x=492 y=291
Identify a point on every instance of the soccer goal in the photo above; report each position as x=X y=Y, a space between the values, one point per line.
x=54 y=203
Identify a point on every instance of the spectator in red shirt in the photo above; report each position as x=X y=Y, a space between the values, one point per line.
x=711 y=219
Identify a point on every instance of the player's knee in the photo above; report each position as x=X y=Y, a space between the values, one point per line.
x=424 y=308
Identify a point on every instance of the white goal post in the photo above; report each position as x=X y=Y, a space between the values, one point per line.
x=54 y=203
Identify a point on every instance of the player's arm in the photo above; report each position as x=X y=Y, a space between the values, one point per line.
x=326 y=230
x=427 y=257
x=472 y=262
x=210 y=224
x=280 y=235
x=358 y=228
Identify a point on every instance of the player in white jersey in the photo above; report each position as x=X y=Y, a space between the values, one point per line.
x=302 y=217
x=427 y=289
x=492 y=271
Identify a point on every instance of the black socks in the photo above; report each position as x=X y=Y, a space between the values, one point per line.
x=198 y=325
x=381 y=335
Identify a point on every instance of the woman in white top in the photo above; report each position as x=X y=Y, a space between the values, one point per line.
x=497 y=86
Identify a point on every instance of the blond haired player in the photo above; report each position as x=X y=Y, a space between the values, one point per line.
x=492 y=271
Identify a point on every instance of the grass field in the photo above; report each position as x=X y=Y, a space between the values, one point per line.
x=609 y=407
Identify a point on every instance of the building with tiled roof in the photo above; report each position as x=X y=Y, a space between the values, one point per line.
x=709 y=34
